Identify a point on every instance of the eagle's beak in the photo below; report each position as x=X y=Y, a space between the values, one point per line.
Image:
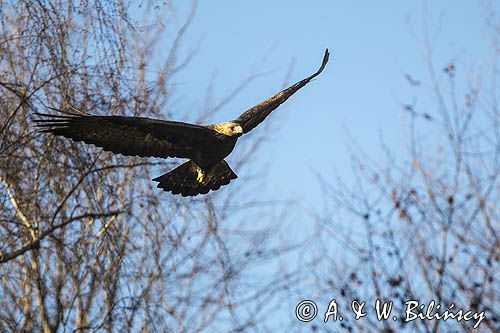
x=238 y=130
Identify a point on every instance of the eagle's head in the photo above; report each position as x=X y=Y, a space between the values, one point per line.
x=229 y=128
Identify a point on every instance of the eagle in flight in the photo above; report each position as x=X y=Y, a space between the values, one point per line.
x=205 y=146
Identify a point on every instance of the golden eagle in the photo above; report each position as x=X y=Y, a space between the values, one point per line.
x=205 y=146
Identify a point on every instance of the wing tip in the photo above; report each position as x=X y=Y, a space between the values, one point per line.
x=326 y=57
x=63 y=115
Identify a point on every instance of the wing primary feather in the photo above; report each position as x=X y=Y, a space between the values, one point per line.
x=78 y=114
x=323 y=64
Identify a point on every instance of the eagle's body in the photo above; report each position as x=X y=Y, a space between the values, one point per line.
x=205 y=146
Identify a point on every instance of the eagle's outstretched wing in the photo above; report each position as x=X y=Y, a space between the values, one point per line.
x=254 y=116
x=132 y=136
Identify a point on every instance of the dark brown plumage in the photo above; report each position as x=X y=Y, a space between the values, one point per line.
x=205 y=146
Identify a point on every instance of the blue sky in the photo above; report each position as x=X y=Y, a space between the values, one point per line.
x=372 y=45
x=361 y=92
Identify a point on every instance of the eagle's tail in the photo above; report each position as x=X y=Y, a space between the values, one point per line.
x=189 y=179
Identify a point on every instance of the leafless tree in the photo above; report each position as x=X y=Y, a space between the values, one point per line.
x=86 y=243
x=423 y=224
